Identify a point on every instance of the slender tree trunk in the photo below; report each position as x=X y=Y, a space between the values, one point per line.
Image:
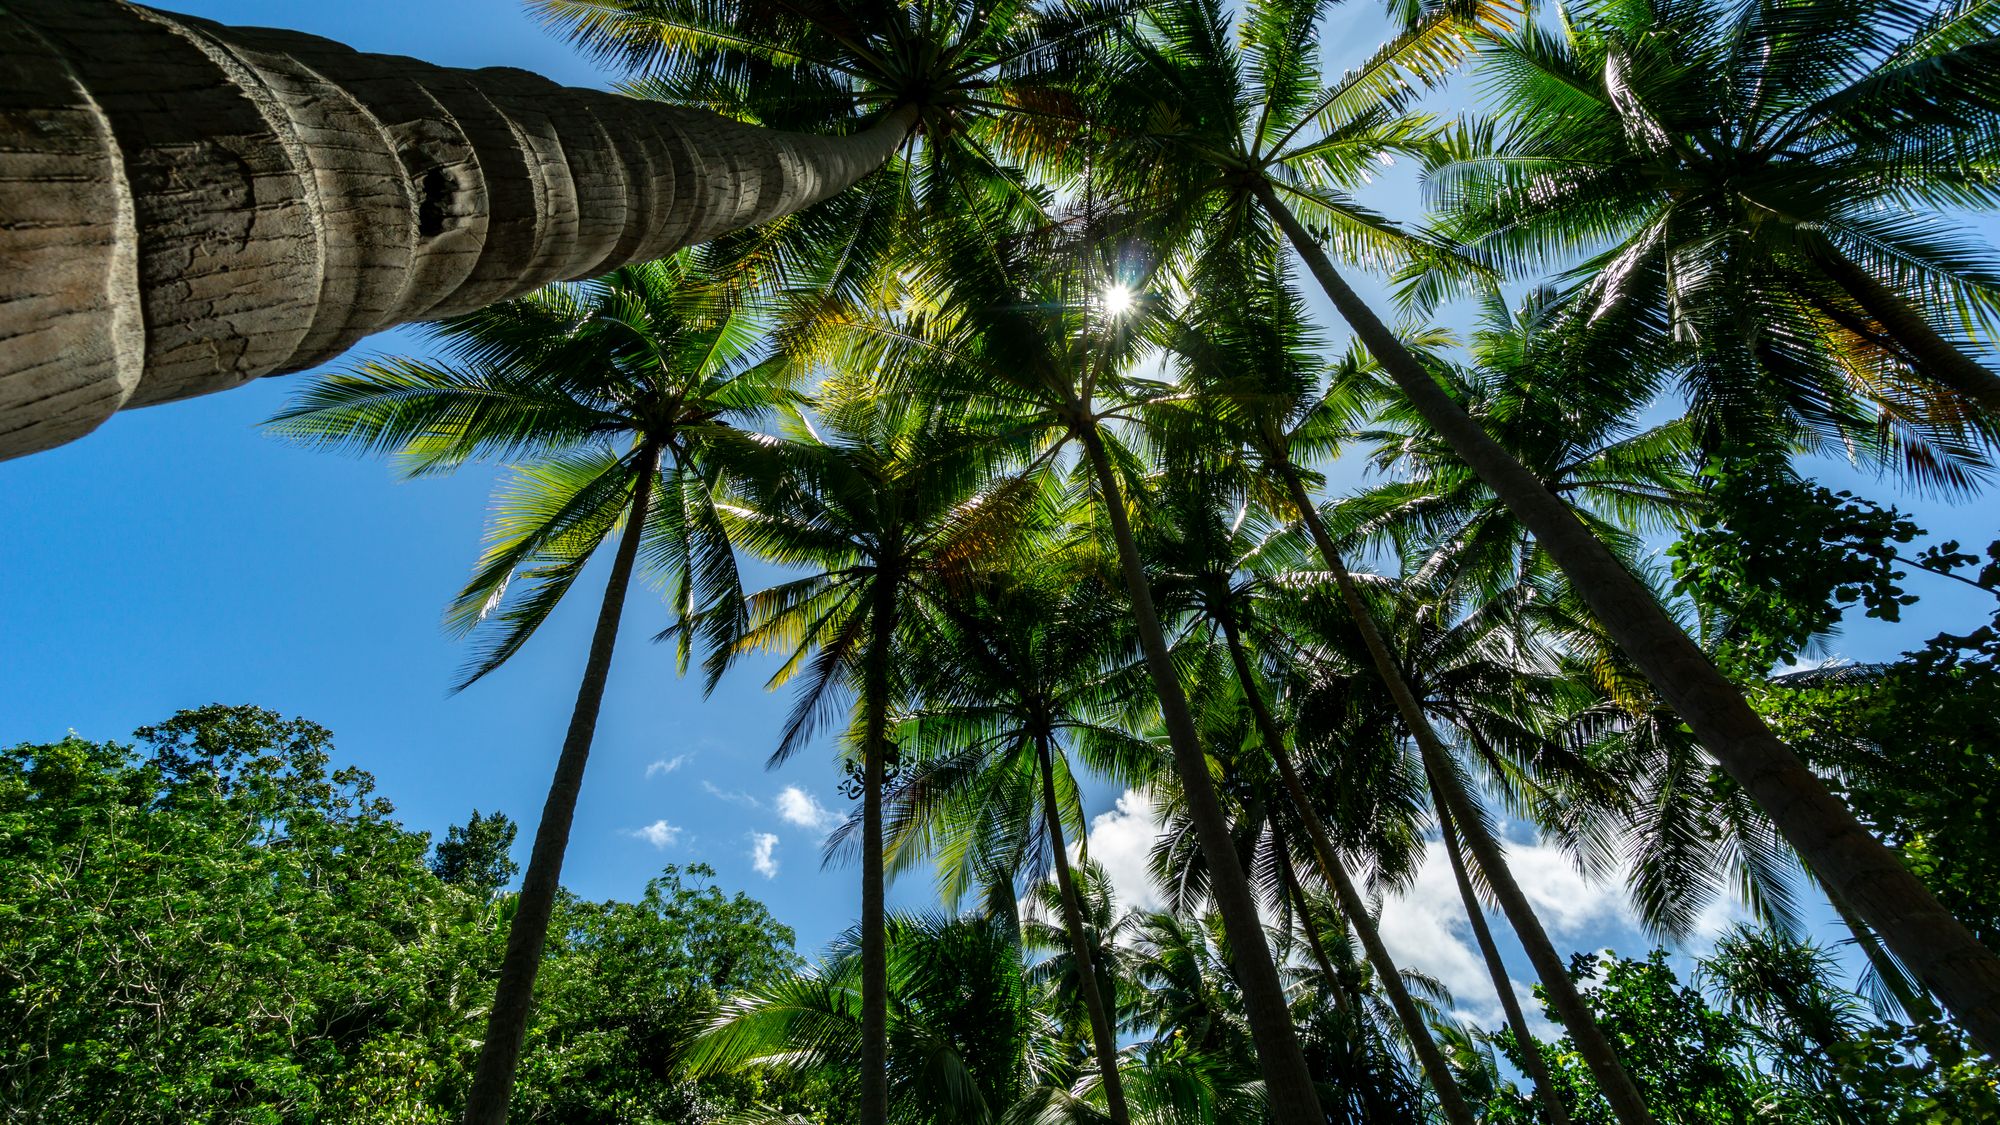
x=190 y=206
x=1103 y=1037
x=1531 y=1055
x=1938 y=948
x=1297 y=894
x=1436 y=1067
x=874 y=910
x=1289 y=1094
x=1612 y=1080
x=513 y=999
x=1911 y=331
x=1611 y=1075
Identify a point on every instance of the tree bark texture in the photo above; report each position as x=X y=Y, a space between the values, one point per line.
x=1517 y=1021
x=1450 y=1099
x=185 y=206
x=1103 y=1036
x=1944 y=955
x=513 y=999
x=1289 y=1094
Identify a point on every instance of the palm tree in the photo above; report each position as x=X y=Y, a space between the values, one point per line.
x=302 y=195
x=1623 y=480
x=309 y=195
x=1207 y=563
x=1488 y=678
x=1503 y=986
x=885 y=511
x=608 y=397
x=1028 y=666
x=1031 y=353
x=963 y=1039
x=1769 y=184
x=1211 y=137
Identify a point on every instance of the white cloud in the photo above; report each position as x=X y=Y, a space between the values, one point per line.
x=733 y=796
x=1121 y=841
x=763 y=853
x=660 y=834
x=1426 y=929
x=666 y=765
x=803 y=809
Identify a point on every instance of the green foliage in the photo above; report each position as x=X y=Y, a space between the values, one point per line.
x=1913 y=747
x=474 y=855
x=1786 y=1046
x=219 y=925
x=1780 y=560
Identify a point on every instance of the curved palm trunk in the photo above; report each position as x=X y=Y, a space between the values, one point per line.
x=1937 y=947
x=513 y=1000
x=1912 y=332
x=1288 y=1084
x=191 y=206
x=1531 y=1055
x=1611 y=1076
x=874 y=1101
x=1103 y=1038
x=1436 y=1068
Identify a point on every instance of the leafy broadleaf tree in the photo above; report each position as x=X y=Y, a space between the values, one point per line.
x=606 y=397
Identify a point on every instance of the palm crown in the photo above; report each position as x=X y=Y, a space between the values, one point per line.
x=1768 y=188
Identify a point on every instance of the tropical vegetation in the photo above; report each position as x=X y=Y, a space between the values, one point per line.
x=1063 y=483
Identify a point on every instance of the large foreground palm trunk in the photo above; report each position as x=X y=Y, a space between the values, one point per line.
x=1288 y=1084
x=185 y=207
x=507 y=1022
x=1942 y=953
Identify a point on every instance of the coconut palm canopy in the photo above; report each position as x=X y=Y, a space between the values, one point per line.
x=1401 y=477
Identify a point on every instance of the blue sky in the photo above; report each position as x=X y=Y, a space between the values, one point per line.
x=178 y=557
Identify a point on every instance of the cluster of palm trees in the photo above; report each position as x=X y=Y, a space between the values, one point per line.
x=1036 y=423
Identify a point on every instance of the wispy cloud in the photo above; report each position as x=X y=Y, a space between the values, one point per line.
x=733 y=796
x=803 y=809
x=764 y=853
x=666 y=765
x=660 y=834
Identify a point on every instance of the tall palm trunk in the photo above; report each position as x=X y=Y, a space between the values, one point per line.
x=1611 y=1076
x=1103 y=1037
x=1936 y=946
x=1612 y=1079
x=1531 y=1056
x=507 y=1022
x=1296 y=895
x=874 y=911
x=1911 y=331
x=1436 y=1068
x=191 y=206
x=1289 y=1094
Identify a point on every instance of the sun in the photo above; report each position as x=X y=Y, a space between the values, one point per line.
x=1118 y=300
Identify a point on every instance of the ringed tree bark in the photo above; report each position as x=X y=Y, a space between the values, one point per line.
x=185 y=207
